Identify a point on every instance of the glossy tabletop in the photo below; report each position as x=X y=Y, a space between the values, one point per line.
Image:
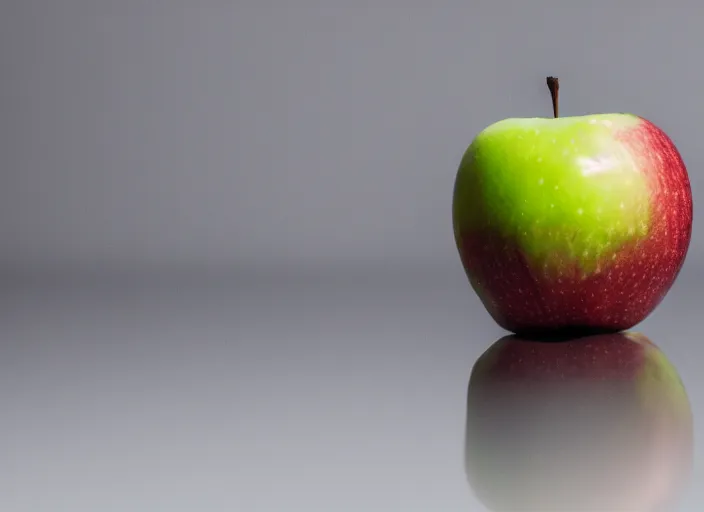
x=281 y=394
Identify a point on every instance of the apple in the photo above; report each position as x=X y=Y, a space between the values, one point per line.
x=572 y=223
x=598 y=423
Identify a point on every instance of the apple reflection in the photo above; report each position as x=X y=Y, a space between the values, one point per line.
x=600 y=423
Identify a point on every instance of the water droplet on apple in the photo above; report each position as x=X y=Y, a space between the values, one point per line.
x=541 y=181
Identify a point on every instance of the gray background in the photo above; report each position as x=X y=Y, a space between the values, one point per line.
x=274 y=315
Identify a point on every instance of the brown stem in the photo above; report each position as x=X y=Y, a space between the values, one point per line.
x=554 y=86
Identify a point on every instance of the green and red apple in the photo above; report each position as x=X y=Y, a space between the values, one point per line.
x=572 y=223
x=601 y=423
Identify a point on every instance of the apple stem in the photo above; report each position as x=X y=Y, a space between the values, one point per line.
x=554 y=86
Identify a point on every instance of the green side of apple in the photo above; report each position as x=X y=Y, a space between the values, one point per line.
x=563 y=188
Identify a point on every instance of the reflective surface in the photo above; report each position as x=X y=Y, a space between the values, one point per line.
x=286 y=394
x=595 y=423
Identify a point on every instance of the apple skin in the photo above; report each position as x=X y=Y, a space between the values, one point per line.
x=585 y=425
x=572 y=223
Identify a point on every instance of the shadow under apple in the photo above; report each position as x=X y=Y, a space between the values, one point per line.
x=600 y=423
